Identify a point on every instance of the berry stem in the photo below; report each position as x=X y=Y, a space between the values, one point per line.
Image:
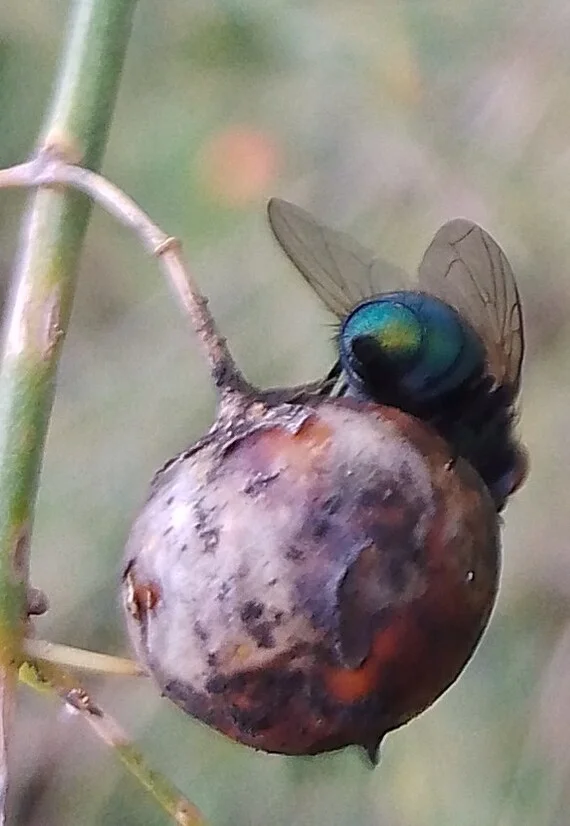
x=48 y=168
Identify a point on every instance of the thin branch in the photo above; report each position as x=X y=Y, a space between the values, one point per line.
x=71 y=657
x=47 y=676
x=47 y=169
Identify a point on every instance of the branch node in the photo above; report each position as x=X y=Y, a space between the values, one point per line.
x=59 y=146
x=170 y=244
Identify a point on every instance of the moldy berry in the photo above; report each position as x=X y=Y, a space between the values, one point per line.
x=309 y=576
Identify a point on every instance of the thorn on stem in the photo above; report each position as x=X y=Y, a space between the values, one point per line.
x=80 y=700
x=37 y=602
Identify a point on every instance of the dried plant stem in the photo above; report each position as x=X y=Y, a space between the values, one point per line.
x=42 y=291
x=44 y=676
x=48 y=169
x=81 y=659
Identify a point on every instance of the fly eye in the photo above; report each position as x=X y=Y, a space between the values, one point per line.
x=367 y=350
x=373 y=351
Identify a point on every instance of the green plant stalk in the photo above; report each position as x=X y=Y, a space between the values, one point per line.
x=42 y=292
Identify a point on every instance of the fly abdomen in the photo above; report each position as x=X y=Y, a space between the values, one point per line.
x=477 y=420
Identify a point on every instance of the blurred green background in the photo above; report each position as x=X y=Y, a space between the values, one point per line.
x=385 y=118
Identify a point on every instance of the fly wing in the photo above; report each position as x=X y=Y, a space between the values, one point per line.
x=340 y=270
x=465 y=267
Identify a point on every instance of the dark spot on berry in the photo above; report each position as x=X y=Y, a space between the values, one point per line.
x=320 y=528
x=368 y=498
x=332 y=504
x=200 y=631
x=397 y=571
x=262 y=633
x=217 y=684
x=225 y=588
x=294 y=553
x=251 y=611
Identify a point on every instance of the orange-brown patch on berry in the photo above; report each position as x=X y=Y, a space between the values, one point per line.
x=140 y=597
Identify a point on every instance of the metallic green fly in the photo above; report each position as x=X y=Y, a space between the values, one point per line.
x=448 y=350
